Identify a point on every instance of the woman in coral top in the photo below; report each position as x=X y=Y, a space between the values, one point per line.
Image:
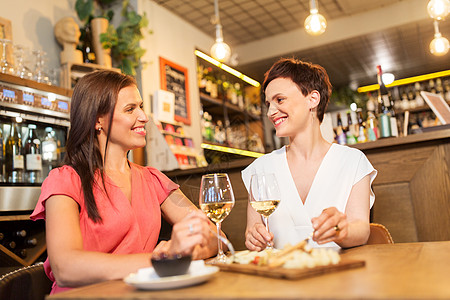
x=103 y=212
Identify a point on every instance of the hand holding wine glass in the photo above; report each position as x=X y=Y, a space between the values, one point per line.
x=264 y=196
x=216 y=200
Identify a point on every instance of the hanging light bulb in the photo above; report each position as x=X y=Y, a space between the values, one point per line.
x=315 y=23
x=439 y=45
x=438 y=9
x=220 y=50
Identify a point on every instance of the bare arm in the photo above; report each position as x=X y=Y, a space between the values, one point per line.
x=73 y=266
x=354 y=228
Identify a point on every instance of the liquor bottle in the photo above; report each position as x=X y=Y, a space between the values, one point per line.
x=33 y=157
x=49 y=151
x=419 y=100
x=87 y=47
x=340 y=134
x=362 y=132
x=14 y=162
x=384 y=103
x=350 y=132
x=2 y=175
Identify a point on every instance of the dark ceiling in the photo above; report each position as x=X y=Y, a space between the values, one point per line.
x=346 y=61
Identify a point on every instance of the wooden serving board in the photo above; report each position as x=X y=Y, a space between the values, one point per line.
x=280 y=272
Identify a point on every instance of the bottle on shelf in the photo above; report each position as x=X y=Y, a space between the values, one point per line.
x=87 y=47
x=419 y=100
x=14 y=161
x=386 y=113
x=2 y=178
x=33 y=156
x=350 y=130
x=49 y=151
x=340 y=134
x=362 y=132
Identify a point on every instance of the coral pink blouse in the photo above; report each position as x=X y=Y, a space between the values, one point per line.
x=127 y=227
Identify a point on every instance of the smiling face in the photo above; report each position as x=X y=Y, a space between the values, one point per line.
x=128 y=123
x=288 y=108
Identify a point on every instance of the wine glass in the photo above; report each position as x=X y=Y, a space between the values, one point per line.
x=5 y=66
x=264 y=196
x=216 y=201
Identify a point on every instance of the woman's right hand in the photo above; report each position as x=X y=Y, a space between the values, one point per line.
x=191 y=231
x=257 y=237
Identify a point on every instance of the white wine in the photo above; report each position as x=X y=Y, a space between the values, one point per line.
x=265 y=208
x=217 y=211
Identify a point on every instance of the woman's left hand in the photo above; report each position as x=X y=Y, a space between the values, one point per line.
x=330 y=226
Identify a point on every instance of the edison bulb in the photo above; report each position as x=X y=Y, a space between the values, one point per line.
x=221 y=51
x=315 y=23
x=438 y=9
x=439 y=45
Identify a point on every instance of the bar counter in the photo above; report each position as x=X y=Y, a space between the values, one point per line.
x=412 y=187
x=392 y=271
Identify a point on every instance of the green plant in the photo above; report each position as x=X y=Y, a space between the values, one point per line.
x=124 y=39
x=89 y=9
x=344 y=96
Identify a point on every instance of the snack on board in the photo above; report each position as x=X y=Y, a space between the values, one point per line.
x=298 y=256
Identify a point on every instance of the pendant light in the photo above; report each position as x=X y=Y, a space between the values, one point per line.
x=220 y=50
x=438 y=9
x=315 y=23
x=439 y=45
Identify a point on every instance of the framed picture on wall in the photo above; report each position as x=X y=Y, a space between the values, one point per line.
x=174 y=78
x=6 y=33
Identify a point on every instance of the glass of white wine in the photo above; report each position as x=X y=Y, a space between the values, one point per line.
x=216 y=201
x=264 y=196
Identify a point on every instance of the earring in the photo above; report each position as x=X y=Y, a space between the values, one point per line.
x=99 y=130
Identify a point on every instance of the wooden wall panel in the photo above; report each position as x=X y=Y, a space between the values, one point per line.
x=394 y=209
x=398 y=165
x=430 y=190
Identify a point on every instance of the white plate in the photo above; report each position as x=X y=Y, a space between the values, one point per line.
x=147 y=279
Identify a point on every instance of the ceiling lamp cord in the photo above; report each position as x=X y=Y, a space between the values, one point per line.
x=220 y=50
x=438 y=10
x=315 y=23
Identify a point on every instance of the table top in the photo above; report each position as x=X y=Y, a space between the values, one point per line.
x=392 y=271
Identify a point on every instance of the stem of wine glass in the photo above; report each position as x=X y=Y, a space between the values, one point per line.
x=220 y=255
x=266 y=222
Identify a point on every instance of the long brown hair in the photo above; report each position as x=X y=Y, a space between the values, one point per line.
x=306 y=76
x=94 y=95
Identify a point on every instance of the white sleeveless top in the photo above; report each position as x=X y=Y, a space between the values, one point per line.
x=341 y=168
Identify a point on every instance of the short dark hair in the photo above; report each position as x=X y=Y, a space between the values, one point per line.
x=307 y=76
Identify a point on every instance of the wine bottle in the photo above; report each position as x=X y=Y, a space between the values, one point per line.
x=350 y=132
x=14 y=162
x=33 y=157
x=22 y=253
x=362 y=132
x=383 y=107
x=2 y=175
x=88 y=48
x=49 y=151
x=19 y=233
x=340 y=134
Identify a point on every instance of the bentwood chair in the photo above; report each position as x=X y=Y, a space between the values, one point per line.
x=27 y=283
x=379 y=234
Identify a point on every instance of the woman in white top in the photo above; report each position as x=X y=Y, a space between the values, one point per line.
x=325 y=188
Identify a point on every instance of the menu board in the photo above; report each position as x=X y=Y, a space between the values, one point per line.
x=174 y=78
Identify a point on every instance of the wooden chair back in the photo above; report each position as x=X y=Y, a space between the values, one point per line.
x=379 y=234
